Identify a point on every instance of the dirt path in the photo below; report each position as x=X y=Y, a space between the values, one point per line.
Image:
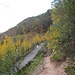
x=51 y=68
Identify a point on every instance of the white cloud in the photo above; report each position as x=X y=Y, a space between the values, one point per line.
x=14 y=11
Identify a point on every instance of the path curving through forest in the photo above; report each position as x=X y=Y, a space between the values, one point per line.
x=27 y=58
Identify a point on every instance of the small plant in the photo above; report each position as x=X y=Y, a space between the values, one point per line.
x=70 y=70
x=57 y=56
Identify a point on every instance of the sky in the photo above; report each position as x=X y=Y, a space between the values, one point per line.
x=14 y=11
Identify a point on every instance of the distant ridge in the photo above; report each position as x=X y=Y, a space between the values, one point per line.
x=38 y=24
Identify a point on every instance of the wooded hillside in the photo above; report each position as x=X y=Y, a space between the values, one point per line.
x=37 y=24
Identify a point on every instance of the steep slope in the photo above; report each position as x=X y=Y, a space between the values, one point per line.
x=38 y=24
x=50 y=68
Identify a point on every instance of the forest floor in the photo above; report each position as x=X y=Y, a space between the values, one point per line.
x=47 y=67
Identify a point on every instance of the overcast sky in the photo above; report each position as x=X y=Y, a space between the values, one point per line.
x=14 y=11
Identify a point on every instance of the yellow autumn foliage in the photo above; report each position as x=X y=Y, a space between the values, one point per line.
x=28 y=42
x=52 y=37
x=39 y=38
x=8 y=44
x=18 y=43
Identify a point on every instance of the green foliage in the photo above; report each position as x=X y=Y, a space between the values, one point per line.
x=70 y=70
x=13 y=48
x=25 y=35
x=61 y=36
x=57 y=56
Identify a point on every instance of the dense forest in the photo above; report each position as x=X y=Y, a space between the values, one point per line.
x=56 y=28
x=61 y=35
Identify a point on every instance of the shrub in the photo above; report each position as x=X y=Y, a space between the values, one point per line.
x=70 y=70
x=57 y=56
